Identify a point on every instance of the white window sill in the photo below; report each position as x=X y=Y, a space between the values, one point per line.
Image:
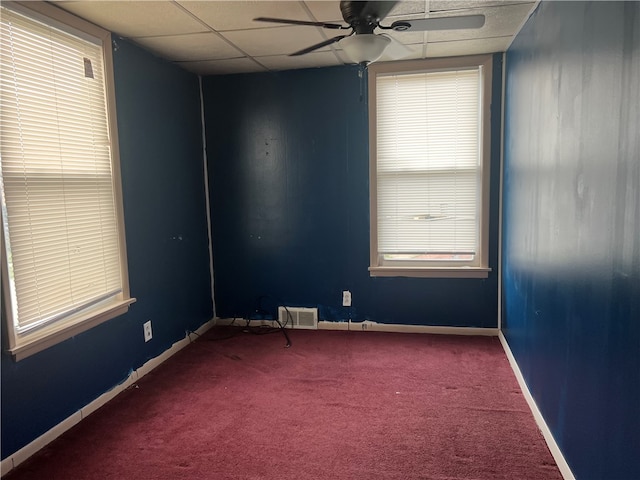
x=430 y=272
x=47 y=337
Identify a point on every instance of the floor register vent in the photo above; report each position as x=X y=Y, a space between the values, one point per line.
x=300 y=317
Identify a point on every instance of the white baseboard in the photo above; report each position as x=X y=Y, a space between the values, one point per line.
x=368 y=326
x=323 y=325
x=241 y=322
x=563 y=466
x=43 y=440
x=6 y=466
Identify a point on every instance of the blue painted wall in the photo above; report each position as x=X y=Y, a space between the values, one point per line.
x=289 y=170
x=572 y=228
x=164 y=202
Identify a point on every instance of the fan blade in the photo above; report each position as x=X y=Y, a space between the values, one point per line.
x=318 y=45
x=377 y=10
x=442 y=23
x=395 y=50
x=333 y=26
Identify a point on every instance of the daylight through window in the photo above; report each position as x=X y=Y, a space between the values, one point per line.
x=429 y=170
x=60 y=212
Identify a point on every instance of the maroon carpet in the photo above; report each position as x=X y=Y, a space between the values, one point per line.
x=337 y=405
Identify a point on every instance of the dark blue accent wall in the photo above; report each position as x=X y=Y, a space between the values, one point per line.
x=164 y=202
x=572 y=228
x=289 y=175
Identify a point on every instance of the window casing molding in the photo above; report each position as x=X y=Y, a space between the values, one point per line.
x=447 y=269
x=22 y=345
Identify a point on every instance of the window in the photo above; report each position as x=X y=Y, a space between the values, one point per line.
x=430 y=153
x=63 y=251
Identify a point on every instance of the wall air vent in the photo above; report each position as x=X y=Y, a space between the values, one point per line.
x=298 y=317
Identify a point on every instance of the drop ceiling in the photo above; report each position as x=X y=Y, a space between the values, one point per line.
x=220 y=37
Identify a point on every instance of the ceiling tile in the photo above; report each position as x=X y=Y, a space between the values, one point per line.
x=181 y=30
x=499 y=22
x=239 y=15
x=326 y=11
x=275 y=41
x=467 y=47
x=310 y=60
x=223 y=67
x=441 y=5
x=136 y=19
x=195 y=46
x=408 y=8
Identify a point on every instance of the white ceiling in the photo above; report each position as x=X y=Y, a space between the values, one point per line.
x=220 y=37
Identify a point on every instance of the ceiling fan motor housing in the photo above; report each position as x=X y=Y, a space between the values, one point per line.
x=352 y=14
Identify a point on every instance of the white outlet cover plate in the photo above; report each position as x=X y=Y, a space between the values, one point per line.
x=346 y=298
x=148 y=333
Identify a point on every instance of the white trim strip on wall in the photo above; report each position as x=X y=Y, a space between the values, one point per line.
x=15 y=459
x=368 y=326
x=500 y=188
x=563 y=466
x=206 y=191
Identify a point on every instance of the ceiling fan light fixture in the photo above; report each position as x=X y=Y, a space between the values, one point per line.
x=364 y=48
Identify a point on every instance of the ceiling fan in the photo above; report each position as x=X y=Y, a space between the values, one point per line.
x=362 y=44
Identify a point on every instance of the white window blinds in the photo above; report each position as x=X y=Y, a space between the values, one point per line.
x=58 y=209
x=429 y=164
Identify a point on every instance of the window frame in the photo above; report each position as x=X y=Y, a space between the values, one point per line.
x=31 y=342
x=431 y=270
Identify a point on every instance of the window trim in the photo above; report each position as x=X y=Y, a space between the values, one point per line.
x=22 y=346
x=421 y=66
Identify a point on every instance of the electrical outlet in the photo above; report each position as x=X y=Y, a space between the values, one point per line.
x=148 y=334
x=346 y=298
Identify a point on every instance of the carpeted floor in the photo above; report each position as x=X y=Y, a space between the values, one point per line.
x=336 y=405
